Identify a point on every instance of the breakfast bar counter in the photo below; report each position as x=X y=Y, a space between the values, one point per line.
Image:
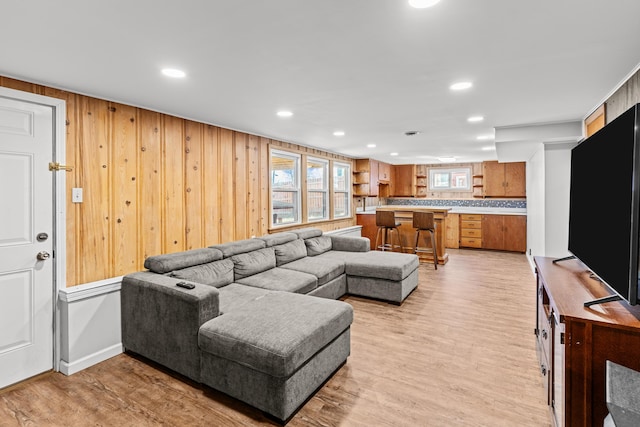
x=404 y=216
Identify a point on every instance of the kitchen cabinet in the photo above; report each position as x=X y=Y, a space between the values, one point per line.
x=503 y=179
x=452 y=231
x=371 y=178
x=404 y=181
x=365 y=178
x=504 y=232
x=471 y=230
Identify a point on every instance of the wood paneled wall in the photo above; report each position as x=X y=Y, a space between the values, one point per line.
x=154 y=183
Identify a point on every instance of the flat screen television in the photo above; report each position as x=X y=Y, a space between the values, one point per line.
x=604 y=199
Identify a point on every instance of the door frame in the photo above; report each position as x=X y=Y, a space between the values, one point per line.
x=58 y=107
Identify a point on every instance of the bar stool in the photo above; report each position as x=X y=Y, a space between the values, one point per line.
x=386 y=222
x=423 y=221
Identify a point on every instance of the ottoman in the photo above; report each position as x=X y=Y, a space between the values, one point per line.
x=389 y=276
x=274 y=352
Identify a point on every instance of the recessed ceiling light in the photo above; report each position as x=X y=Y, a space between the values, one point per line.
x=461 y=86
x=338 y=133
x=447 y=159
x=393 y=154
x=421 y=4
x=475 y=119
x=484 y=137
x=489 y=148
x=284 y=113
x=172 y=72
x=371 y=145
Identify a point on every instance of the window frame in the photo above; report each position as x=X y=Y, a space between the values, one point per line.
x=296 y=188
x=451 y=170
x=348 y=191
x=324 y=191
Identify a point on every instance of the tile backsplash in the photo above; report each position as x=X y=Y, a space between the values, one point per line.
x=484 y=203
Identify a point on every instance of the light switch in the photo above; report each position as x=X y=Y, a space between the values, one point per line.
x=76 y=195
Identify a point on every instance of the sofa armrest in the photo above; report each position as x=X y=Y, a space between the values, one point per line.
x=160 y=320
x=350 y=243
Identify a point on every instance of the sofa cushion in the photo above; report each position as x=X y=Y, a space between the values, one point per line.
x=236 y=295
x=168 y=262
x=324 y=269
x=291 y=251
x=254 y=262
x=281 y=279
x=217 y=273
x=318 y=245
x=277 y=333
x=382 y=265
x=307 y=233
x=278 y=238
x=239 y=247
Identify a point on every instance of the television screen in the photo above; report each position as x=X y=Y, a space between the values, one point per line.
x=603 y=204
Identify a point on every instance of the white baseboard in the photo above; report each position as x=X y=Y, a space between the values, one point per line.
x=90 y=360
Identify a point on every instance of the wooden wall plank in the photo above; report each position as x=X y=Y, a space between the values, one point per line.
x=194 y=185
x=265 y=180
x=211 y=203
x=227 y=194
x=253 y=186
x=174 y=190
x=241 y=174
x=94 y=225
x=150 y=203
x=125 y=187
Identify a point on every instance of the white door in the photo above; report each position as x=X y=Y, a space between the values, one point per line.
x=26 y=230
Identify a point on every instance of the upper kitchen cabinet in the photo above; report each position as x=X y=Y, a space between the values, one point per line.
x=404 y=181
x=504 y=179
x=371 y=178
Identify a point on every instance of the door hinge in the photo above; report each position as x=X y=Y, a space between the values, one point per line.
x=562 y=338
x=55 y=166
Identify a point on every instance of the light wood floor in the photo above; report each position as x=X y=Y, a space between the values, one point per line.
x=460 y=351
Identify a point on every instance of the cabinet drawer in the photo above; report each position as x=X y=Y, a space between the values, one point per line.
x=471 y=232
x=471 y=217
x=470 y=224
x=470 y=242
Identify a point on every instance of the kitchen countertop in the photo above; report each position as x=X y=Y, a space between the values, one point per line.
x=450 y=209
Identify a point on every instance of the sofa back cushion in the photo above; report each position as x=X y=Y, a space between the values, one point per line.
x=307 y=233
x=318 y=245
x=239 y=247
x=216 y=273
x=169 y=262
x=253 y=262
x=289 y=252
x=276 y=239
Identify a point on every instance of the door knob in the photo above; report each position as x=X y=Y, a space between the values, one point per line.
x=42 y=256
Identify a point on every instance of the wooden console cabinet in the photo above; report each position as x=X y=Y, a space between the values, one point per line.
x=574 y=342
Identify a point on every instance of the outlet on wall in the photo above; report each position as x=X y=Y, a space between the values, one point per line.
x=76 y=195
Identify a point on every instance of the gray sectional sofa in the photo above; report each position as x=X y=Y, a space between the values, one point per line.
x=262 y=322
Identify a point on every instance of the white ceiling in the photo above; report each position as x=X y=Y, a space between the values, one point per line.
x=372 y=68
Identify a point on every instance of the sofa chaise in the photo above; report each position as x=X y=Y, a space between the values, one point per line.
x=259 y=319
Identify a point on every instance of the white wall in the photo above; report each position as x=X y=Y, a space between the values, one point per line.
x=89 y=319
x=536 y=203
x=556 y=210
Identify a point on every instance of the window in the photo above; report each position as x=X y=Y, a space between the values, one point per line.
x=341 y=190
x=285 y=188
x=450 y=179
x=317 y=189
